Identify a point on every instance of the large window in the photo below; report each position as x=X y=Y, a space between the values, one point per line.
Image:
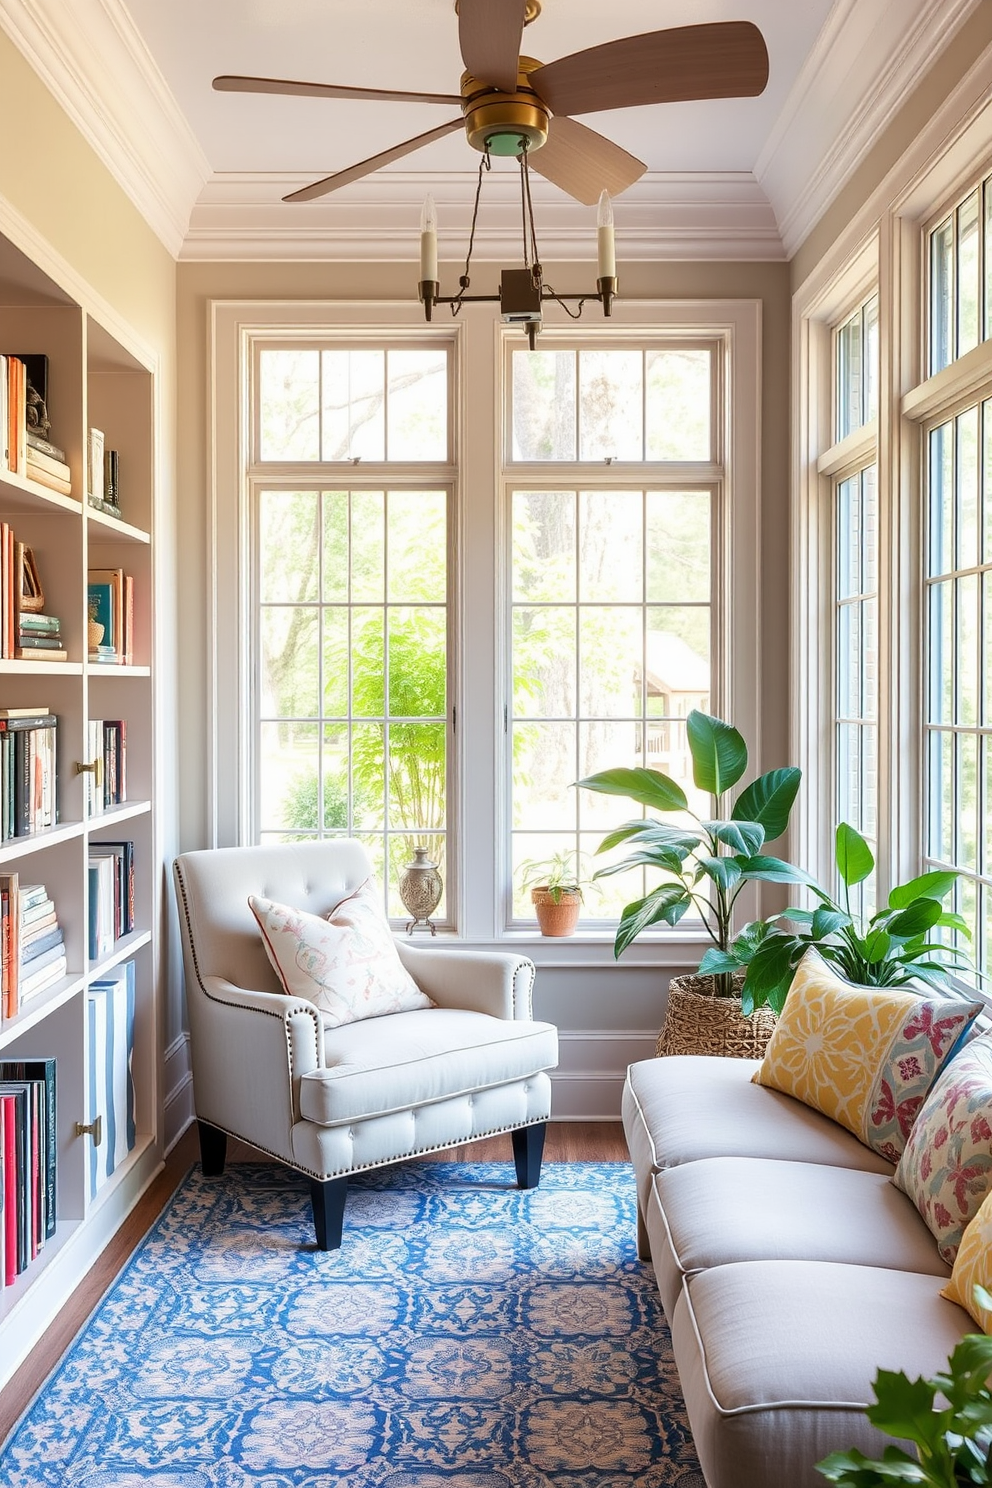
x=611 y=585
x=350 y=722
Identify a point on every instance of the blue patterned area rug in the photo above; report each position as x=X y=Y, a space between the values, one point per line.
x=467 y=1335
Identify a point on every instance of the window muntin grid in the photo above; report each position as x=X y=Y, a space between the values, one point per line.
x=856 y=369
x=957 y=689
x=960 y=279
x=856 y=663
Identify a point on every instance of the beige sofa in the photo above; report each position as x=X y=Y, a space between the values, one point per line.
x=790 y=1268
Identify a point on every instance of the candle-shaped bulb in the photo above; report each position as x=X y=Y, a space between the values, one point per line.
x=428 y=241
x=604 y=234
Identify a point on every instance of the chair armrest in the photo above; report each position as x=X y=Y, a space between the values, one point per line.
x=493 y=982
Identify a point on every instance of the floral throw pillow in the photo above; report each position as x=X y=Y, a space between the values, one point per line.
x=864 y=1056
x=946 y=1168
x=973 y=1266
x=346 y=964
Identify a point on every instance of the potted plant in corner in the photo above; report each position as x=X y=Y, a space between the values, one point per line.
x=892 y=947
x=704 y=864
x=556 y=891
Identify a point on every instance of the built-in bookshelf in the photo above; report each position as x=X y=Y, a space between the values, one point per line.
x=100 y=752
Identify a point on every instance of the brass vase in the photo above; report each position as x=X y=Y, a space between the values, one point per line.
x=420 y=890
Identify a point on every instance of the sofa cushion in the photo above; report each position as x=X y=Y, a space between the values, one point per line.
x=346 y=964
x=777 y=1360
x=864 y=1056
x=414 y=1058
x=947 y=1166
x=973 y=1266
x=721 y=1210
x=690 y=1106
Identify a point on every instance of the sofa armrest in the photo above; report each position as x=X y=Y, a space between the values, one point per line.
x=492 y=982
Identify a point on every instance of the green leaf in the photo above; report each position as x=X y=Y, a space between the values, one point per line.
x=768 y=801
x=647 y=829
x=744 y=837
x=719 y=754
x=724 y=872
x=877 y=944
x=717 y=963
x=854 y=856
x=915 y=918
x=827 y=921
x=774 y=870
x=854 y=1470
x=648 y=787
x=666 y=859
x=668 y=904
x=770 y=973
x=954 y=922
x=904 y=1407
x=935 y=885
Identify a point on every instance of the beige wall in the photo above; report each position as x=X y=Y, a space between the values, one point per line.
x=199 y=283
x=53 y=182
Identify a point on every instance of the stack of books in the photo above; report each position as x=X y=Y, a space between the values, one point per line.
x=32 y=951
x=28 y=1162
x=39 y=638
x=13 y=415
x=102 y=475
x=46 y=464
x=28 y=771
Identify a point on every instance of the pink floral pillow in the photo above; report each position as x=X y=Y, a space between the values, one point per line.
x=346 y=964
x=946 y=1168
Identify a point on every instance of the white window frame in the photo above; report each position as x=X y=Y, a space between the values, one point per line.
x=478 y=803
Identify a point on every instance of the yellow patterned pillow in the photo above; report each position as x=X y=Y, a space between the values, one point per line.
x=973 y=1266
x=864 y=1056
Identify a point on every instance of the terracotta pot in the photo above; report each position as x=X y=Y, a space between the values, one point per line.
x=697 y=1021
x=556 y=919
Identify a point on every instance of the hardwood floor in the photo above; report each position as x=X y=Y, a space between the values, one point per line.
x=567 y=1141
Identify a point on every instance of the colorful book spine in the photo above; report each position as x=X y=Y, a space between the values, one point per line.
x=41 y=1072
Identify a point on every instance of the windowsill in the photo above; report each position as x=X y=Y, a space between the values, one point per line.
x=672 y=952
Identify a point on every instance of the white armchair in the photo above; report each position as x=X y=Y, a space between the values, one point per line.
x=330 y=1101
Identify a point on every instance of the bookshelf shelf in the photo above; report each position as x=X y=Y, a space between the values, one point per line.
x=98 y=377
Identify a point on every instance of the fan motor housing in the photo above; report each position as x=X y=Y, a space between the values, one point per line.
x=497 y=122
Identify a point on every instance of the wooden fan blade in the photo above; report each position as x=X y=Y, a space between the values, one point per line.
x=489 y=33
x=584 y=163
x=724 y=59
x=374 y=163
x=231 y=84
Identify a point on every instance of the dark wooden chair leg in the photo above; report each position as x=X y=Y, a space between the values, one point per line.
x=327 y=1201
x=213 y=1149
x=528 y=1149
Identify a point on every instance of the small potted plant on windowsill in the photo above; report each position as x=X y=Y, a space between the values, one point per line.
x=556 y=891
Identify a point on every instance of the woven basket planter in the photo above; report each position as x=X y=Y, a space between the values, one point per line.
x=698 y=1022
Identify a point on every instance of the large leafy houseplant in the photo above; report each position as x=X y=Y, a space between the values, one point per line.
x=705 y=864
x=892 y=947
x=948 y=1418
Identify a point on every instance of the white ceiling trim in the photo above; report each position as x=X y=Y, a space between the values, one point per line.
x=90 y=55
x=810 y=153
x=662 y=216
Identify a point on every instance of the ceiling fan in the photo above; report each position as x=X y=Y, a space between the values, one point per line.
x=512 y=103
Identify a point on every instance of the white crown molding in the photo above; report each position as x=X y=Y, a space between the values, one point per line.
x=663 y=216
x=842 y=101
x=91 y=57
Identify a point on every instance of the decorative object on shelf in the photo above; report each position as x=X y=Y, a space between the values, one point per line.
x=697 y=1022
x=31 y=597
x=420 y=890
x=94 y=634
x=94 y=466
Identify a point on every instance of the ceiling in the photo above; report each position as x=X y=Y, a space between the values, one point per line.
x=726 y=178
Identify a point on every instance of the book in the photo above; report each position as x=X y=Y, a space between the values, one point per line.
x=17 y=1145
x=43 y=624
x=10 y=940
x=110 y=1046
x=9 y=1102
x=44 y=976
x=39 y=460
x=40 y=712
x=105 y=592
x=34 y=653
x=94 y=464
x=39 y=945
x=45 y=477
x=100 y=873
x=34 y=641
x=44 y=446
x=122 y=856
x=42 y=1071
x=111 y=477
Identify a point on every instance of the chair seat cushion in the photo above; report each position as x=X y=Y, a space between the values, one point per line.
x=813 y=1335
x=726 y=1209
x=411 y=1059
